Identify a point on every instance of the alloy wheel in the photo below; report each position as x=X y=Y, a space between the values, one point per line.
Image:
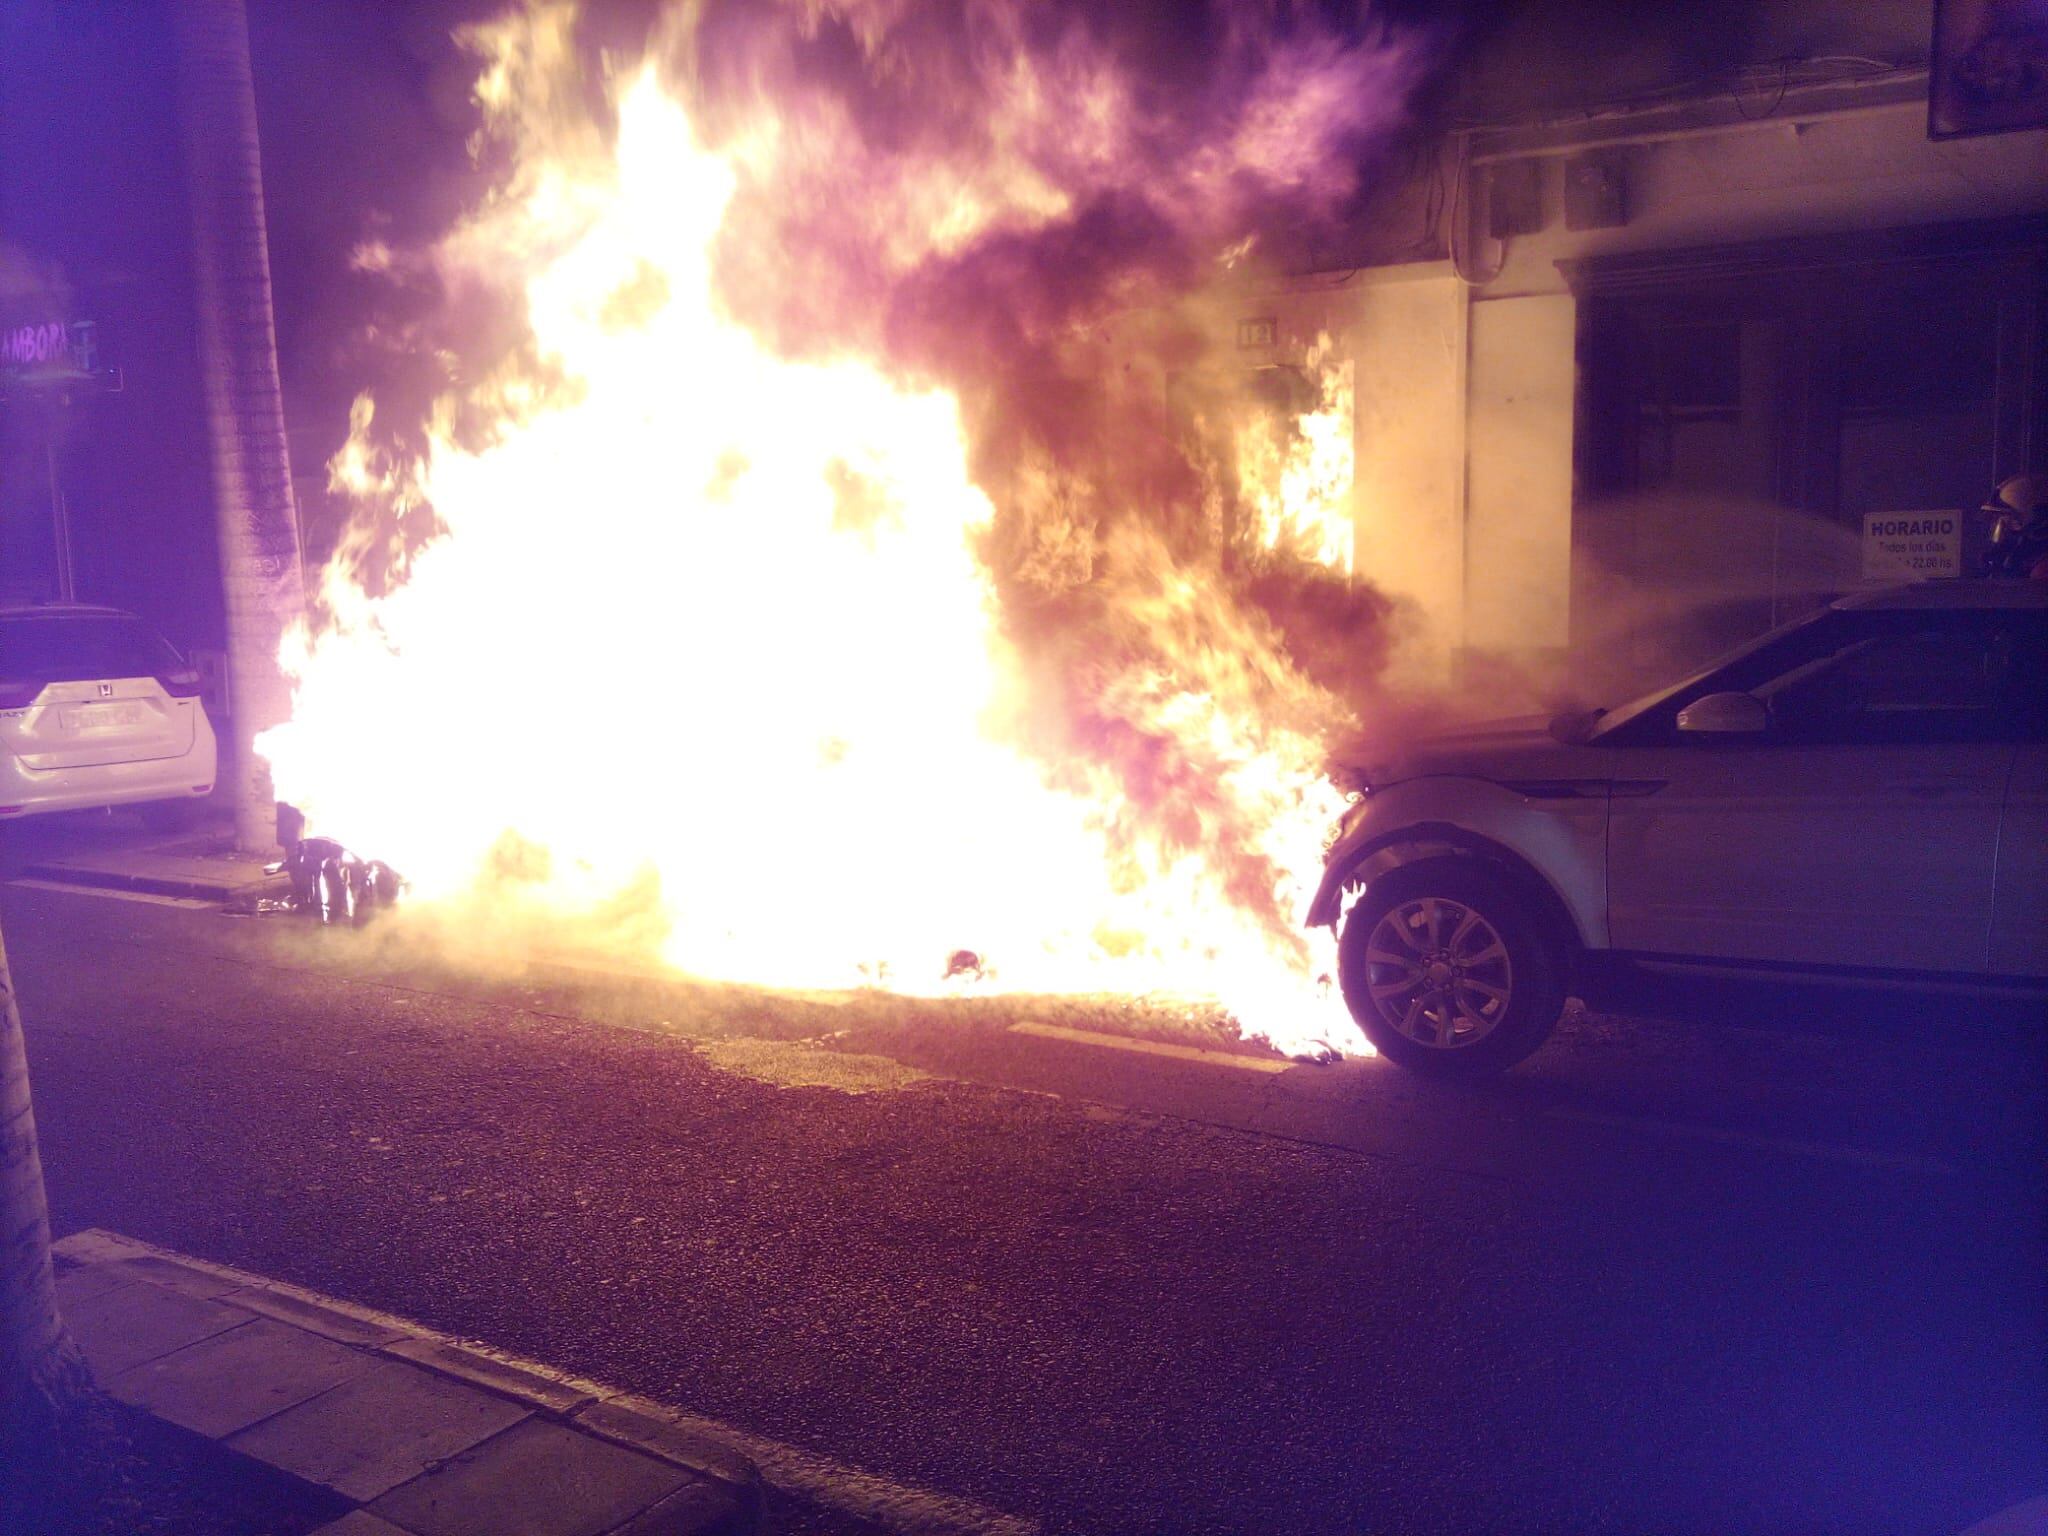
x=1437 y=971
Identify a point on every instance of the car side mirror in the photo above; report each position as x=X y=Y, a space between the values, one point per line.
x=1725 y=714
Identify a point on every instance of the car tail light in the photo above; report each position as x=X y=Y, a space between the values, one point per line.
x=179 y=685
x=18 y=695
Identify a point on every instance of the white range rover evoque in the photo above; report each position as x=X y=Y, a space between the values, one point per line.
x=1862 y=794
x=96 y=709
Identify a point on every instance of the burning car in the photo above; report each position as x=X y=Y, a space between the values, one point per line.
x=1860 y=794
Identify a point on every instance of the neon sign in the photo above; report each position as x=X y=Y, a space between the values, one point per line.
x=47 y=350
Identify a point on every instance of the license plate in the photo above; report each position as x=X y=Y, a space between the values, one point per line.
x=99 y=717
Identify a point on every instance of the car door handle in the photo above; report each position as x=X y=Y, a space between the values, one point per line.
x=1931 y=791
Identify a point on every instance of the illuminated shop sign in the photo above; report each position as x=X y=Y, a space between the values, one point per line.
x=49 y=349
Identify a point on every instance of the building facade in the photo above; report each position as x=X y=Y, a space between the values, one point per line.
x=1686 y=330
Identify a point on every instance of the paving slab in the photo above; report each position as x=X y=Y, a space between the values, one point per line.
x=695 y=1509
x=360 y=1522
x=207 y=1284
x=145 y=869
x=2028 y=1518
x=94 y=1245
x=228 y=1382
x=558 y=1394
x=380 y=1429
x=79 y=1283
x=131 y=1325
x=535 y=1479
x=648 y=1426
x=447 y=1438
x=333 y=1320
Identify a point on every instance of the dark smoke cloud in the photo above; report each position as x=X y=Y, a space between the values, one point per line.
x=1225 y=122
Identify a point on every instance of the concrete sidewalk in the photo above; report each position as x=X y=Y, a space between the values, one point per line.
x=202 y=865
x=427 y=1436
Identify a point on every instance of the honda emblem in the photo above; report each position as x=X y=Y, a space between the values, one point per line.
x=106 y=690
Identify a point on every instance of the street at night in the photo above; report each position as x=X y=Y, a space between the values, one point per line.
x=1024 y=768
x=1775 y=1265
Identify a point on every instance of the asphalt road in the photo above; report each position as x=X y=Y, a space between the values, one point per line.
x=1774 y=1266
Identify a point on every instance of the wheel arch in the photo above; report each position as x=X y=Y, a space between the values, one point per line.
x=1434 y=842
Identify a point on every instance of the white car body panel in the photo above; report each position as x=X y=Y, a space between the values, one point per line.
x=2019 y=900
x=1819 y=855
x=83 y=743
x=96 y=774
x=99 y=723
x=1565 y=836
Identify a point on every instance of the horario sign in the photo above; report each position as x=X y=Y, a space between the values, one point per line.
x=1912 y=546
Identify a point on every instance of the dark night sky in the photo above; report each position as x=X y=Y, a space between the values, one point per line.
x=91 y=204
x=364 y=111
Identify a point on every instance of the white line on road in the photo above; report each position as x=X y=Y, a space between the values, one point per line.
x=153 y=898
x=1152 y=1047
x=1825 y=1151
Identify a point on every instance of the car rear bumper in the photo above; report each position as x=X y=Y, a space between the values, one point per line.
x=27 y=791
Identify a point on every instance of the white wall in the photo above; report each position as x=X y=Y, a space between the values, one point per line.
x=1408 y=344
x=1517 y=595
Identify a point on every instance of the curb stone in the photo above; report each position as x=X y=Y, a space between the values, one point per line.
x=708 y=1489
x=547 y=1390
x=193 y=884
x=724 y=1474
x=646 y=1425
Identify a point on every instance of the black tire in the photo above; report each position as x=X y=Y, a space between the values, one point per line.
x=1530 y=971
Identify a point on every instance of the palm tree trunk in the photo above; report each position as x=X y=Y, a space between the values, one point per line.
x=259 y=537
x=42 y=1374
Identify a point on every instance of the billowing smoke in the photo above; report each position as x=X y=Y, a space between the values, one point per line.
x=1042 y=212
x=1044 y=208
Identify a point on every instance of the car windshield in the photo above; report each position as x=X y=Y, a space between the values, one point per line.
x=1604 y=722
x=73 y=647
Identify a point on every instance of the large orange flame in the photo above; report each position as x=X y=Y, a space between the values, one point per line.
x=707 y=632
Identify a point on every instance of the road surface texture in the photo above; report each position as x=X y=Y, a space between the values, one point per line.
x=1777 y=1268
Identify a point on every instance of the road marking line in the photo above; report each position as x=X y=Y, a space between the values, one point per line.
x=154 y=898
x=1824 y=1151
x=1152 y=1047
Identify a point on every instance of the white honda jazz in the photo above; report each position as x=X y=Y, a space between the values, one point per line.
x=96 y=709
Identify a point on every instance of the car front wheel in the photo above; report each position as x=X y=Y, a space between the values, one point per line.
x=1448 y=970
